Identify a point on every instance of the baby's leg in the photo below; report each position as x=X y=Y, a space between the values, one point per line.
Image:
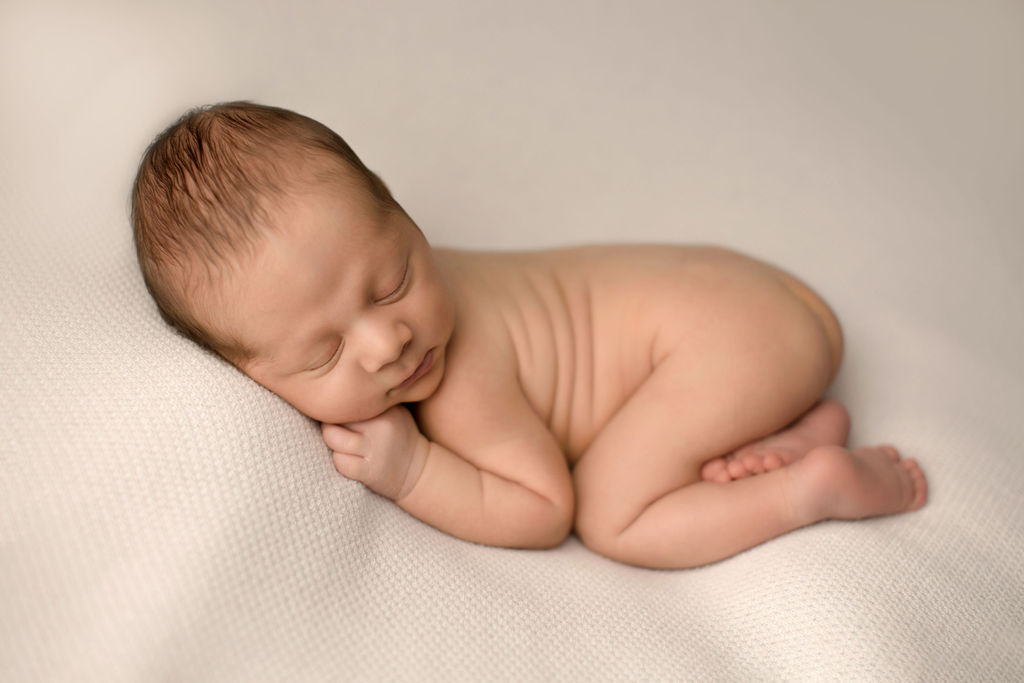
x=640 y=495
x=826 y=424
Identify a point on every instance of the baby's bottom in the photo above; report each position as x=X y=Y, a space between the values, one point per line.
x=717 y=451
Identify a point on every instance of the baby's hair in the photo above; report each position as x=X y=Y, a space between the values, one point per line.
x=202 y=193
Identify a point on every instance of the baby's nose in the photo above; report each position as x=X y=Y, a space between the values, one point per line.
x=385 y=344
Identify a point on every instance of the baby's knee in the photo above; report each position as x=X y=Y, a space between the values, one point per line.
x=602 y=536
x=600 y=531
x=606 y=507
x=594 y=534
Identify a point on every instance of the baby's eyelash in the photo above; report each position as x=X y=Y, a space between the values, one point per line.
x=330 y=360
x=399 y=290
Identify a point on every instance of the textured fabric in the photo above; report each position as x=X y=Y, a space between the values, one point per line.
x=164 y=518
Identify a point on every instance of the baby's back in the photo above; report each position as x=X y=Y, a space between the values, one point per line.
x=587 y=325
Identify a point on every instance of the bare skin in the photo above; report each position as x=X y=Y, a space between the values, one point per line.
x=664 y=402
x=826 y=424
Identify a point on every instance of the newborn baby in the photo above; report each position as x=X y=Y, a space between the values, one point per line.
x=664 y=402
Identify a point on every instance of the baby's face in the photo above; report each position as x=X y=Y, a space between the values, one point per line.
x=343 y=307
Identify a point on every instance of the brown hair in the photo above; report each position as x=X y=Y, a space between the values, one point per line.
x=202 y=192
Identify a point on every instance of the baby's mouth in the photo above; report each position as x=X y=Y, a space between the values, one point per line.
x=421 y=369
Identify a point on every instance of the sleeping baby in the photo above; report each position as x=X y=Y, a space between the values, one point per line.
x=663 y=402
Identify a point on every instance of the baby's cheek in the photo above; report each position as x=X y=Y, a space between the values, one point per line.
x=436 y=307
x=341 y=400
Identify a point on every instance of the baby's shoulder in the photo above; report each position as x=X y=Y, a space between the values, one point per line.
x=480 y=359
x=480 y=384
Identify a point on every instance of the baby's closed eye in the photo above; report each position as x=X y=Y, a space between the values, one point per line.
x=324 y=364
x=397 y=290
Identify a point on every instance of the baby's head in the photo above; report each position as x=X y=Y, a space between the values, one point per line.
x=205 y=193
x=261 y=235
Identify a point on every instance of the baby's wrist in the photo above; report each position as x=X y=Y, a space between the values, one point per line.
x=417 y=463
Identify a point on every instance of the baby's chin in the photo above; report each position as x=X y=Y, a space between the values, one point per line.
x=366 y=411
x=423 y=390
x=350 y=417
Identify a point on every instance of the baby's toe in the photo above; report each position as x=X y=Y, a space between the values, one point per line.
x=754 y=464
x=715 y=470
x=773 y=461
x=920 y=484
x=891 y=451
x=737 y=470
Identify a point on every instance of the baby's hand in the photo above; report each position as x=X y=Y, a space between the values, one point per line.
x=386 y=453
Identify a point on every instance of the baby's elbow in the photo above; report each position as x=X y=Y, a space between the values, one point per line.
x=552 y=522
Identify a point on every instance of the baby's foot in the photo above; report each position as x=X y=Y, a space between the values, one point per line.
x=835 y=483
x=827 y=423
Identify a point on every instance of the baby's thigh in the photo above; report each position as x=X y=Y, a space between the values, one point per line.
x=681 y=416
x=741 y=356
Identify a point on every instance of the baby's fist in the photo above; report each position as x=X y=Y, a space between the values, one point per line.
x=386 y=453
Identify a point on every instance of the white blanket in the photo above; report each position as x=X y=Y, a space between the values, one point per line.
x=164 y=518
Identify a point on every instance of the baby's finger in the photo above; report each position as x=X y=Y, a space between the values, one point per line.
x=340 y=439
x=348 y=465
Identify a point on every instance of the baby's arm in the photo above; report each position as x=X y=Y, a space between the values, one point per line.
x=494 y=473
